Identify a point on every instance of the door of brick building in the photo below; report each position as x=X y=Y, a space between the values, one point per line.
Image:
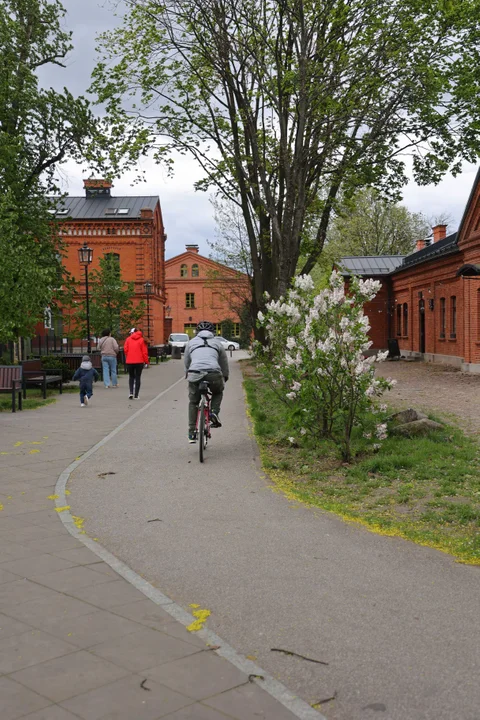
x=421 y=319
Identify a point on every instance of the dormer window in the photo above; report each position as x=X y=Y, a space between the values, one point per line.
x=195 y=272
x=183 y=271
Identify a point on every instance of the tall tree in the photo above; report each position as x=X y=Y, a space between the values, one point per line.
x=283 y=102
x=39 y=128
x=370 y=225
x=111 y=301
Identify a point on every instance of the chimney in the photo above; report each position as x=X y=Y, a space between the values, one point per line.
x=192 y=248
x=146 y=213
x=420 y=245
x=439 y=232
x=97 y=188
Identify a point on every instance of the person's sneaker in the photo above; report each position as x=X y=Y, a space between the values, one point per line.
x=82 y=404
x=215 y=420
x=85 y=400
x=192 y=436
x=130 y=397
x=137 y=397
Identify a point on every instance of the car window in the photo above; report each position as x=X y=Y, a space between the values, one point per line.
x=179 y=337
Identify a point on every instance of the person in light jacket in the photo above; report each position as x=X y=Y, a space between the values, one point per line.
x=108 y=347
x=205 y=359
x=136 y=357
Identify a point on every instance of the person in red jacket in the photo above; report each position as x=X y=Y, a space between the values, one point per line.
x=136 y=356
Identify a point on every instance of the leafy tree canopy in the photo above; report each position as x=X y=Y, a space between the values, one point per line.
x=39 y=128
x=370 y=225
x=287 y=104
x=111 y=301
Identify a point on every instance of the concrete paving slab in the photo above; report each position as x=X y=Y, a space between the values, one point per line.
x=143 y=649
x=127 y=699
x=30 y=648
x=108 y=595
x=71 y=578
x=47 y=609
x=9 y=626
x=21 y=592
x=245 y=702
x=52 y=712
x=88 y=630
x=71 y=675
x=199 y=676
x=16 y=700
x=199 y=712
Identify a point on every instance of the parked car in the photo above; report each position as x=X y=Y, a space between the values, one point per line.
x=177 y=340
x=229 y=344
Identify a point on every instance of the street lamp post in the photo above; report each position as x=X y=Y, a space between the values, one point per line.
x=148 y=287
x=85 y=256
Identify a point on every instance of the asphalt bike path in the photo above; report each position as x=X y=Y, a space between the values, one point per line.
x=394 y=628
x=81 y=635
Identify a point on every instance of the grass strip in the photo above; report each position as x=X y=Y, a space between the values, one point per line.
x=424 y=489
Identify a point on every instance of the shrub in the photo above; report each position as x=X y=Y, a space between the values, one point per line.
x=315 y=359
x=53 y=362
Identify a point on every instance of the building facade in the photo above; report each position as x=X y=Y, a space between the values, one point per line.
x=430 y=299
x=198 y=288
x=131 y=228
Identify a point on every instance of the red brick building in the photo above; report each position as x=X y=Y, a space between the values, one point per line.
x=131 y=228
x=430 y=299
x=198 y=288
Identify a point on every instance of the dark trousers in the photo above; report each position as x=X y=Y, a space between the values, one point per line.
x=134 y=375
x=85 y=390
x=216 y=383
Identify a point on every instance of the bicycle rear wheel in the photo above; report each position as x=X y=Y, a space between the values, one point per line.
x=202 y=430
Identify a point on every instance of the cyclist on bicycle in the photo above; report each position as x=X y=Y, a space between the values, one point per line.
x=205 y=359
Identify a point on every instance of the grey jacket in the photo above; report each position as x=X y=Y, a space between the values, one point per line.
x=200 y=359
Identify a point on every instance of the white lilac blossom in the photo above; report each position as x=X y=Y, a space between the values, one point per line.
x=381 y=431
x=303 y=431
x=291 y=440
x=304 y=282
x=296 y=386
x=261 y=316
x=291 y=343
x=382 y=356
x=291 y=395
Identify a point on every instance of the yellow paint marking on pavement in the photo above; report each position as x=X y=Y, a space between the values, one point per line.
x=9 y=497
x=62 y=509
x=1 y=506
x=78 y=521
x=45 y=437
x=4 y=453
x=17 y=444
x=32 y=452
x=198 y=624
x=194 y=605
x=67 y=492
x=53 y=497
x=36 y=442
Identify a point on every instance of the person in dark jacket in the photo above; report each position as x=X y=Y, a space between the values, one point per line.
x=136 y=357
x=86 y=374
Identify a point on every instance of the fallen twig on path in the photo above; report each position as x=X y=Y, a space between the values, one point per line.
x=290 y=652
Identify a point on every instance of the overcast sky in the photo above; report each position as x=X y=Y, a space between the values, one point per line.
x=188 y=214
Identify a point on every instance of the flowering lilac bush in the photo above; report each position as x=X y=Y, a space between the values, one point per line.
x=315 y=359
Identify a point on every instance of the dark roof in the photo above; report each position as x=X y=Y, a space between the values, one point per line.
x=431 y=252
x=82 y=208
x=369 y=264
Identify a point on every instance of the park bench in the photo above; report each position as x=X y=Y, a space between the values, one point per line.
x=11 y=382
x=74 y=360
x=35 y=375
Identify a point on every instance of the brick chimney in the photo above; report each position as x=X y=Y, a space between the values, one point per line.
x=97 y=188
x=146 y=213
x=192 y=248
x=420 y=245
x=439 y=232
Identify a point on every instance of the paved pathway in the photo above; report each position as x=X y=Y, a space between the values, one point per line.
x=76 y=639
x=398 y=624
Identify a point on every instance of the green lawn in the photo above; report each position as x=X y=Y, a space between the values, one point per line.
x=34 y=398
x=423 y=489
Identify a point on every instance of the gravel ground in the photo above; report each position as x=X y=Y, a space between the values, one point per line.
x=434 y=388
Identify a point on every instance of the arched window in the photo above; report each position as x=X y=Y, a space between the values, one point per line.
x=443 y=318
x=405 y=319
x=399 y=319
x=195 y=272
x=183 y=271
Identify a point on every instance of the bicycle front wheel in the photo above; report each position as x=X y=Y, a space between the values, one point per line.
x=202 y=430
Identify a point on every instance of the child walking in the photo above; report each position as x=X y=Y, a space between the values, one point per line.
x=86 y=374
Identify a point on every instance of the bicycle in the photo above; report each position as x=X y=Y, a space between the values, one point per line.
x=202 y=427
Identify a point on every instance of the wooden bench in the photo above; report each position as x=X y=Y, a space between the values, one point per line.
x=35 y=375
x=11 y=382
x=74 y=360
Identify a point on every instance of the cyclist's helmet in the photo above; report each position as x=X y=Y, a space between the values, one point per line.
x=206 y=325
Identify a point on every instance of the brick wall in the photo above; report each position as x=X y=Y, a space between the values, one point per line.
x=141 y=247
x=217 y=290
